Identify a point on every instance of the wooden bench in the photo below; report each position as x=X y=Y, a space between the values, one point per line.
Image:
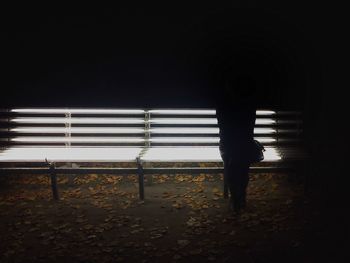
x=152 y=141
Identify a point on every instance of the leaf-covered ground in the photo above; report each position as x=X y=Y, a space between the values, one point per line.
x=184 y=218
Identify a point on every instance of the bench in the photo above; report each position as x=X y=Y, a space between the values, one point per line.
x=146 y=141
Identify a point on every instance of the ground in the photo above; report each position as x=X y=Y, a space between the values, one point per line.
x=183 y=218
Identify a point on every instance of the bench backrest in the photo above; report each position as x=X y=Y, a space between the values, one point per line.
x=135 y=127
x=73 y=127
x=200 y=128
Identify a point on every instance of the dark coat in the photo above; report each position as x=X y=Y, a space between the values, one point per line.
x=236 y=121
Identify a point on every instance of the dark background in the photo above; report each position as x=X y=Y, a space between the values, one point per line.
x=152 y=55
x=162 y=55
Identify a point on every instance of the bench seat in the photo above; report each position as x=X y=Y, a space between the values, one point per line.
x=195 y=154
x=118 y=154
x=72 y=154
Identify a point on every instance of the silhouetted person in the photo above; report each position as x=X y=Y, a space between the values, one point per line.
x=236 y=114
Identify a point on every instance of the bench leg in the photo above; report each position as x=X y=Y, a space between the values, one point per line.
x=141 y=186
x=141 y=180
x=54 y=184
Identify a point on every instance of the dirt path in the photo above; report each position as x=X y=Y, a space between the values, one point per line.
x=183 y=219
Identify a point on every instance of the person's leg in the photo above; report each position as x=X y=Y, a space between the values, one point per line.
x=244 y=185
x=226 y=170
x=233 y=184
x=238 y=179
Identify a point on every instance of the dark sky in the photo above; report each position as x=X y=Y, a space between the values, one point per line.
x=151 y=55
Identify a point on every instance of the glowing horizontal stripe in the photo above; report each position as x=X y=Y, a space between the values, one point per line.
x=126 y=154
x=202 y=130
x=184 y=121
x=184 y=130
x=105 y=154
x=265 y=112
x=201 y=121
x=200 y=140
x=53 y=120
x=79 y=111
x=186 y=112
x=79 y=120
x=69 y=154
x=264 y=130
x=203 y=112
x=265 y=140
x=265 y=121
x=78 y=130
x=200 y=154
x=102 y=130
x=184 y=140
x=126 y=111
x=76 y=139
x=184 y=154
x=124 y=139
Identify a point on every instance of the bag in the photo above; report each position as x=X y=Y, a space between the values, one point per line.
x=257 y=152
